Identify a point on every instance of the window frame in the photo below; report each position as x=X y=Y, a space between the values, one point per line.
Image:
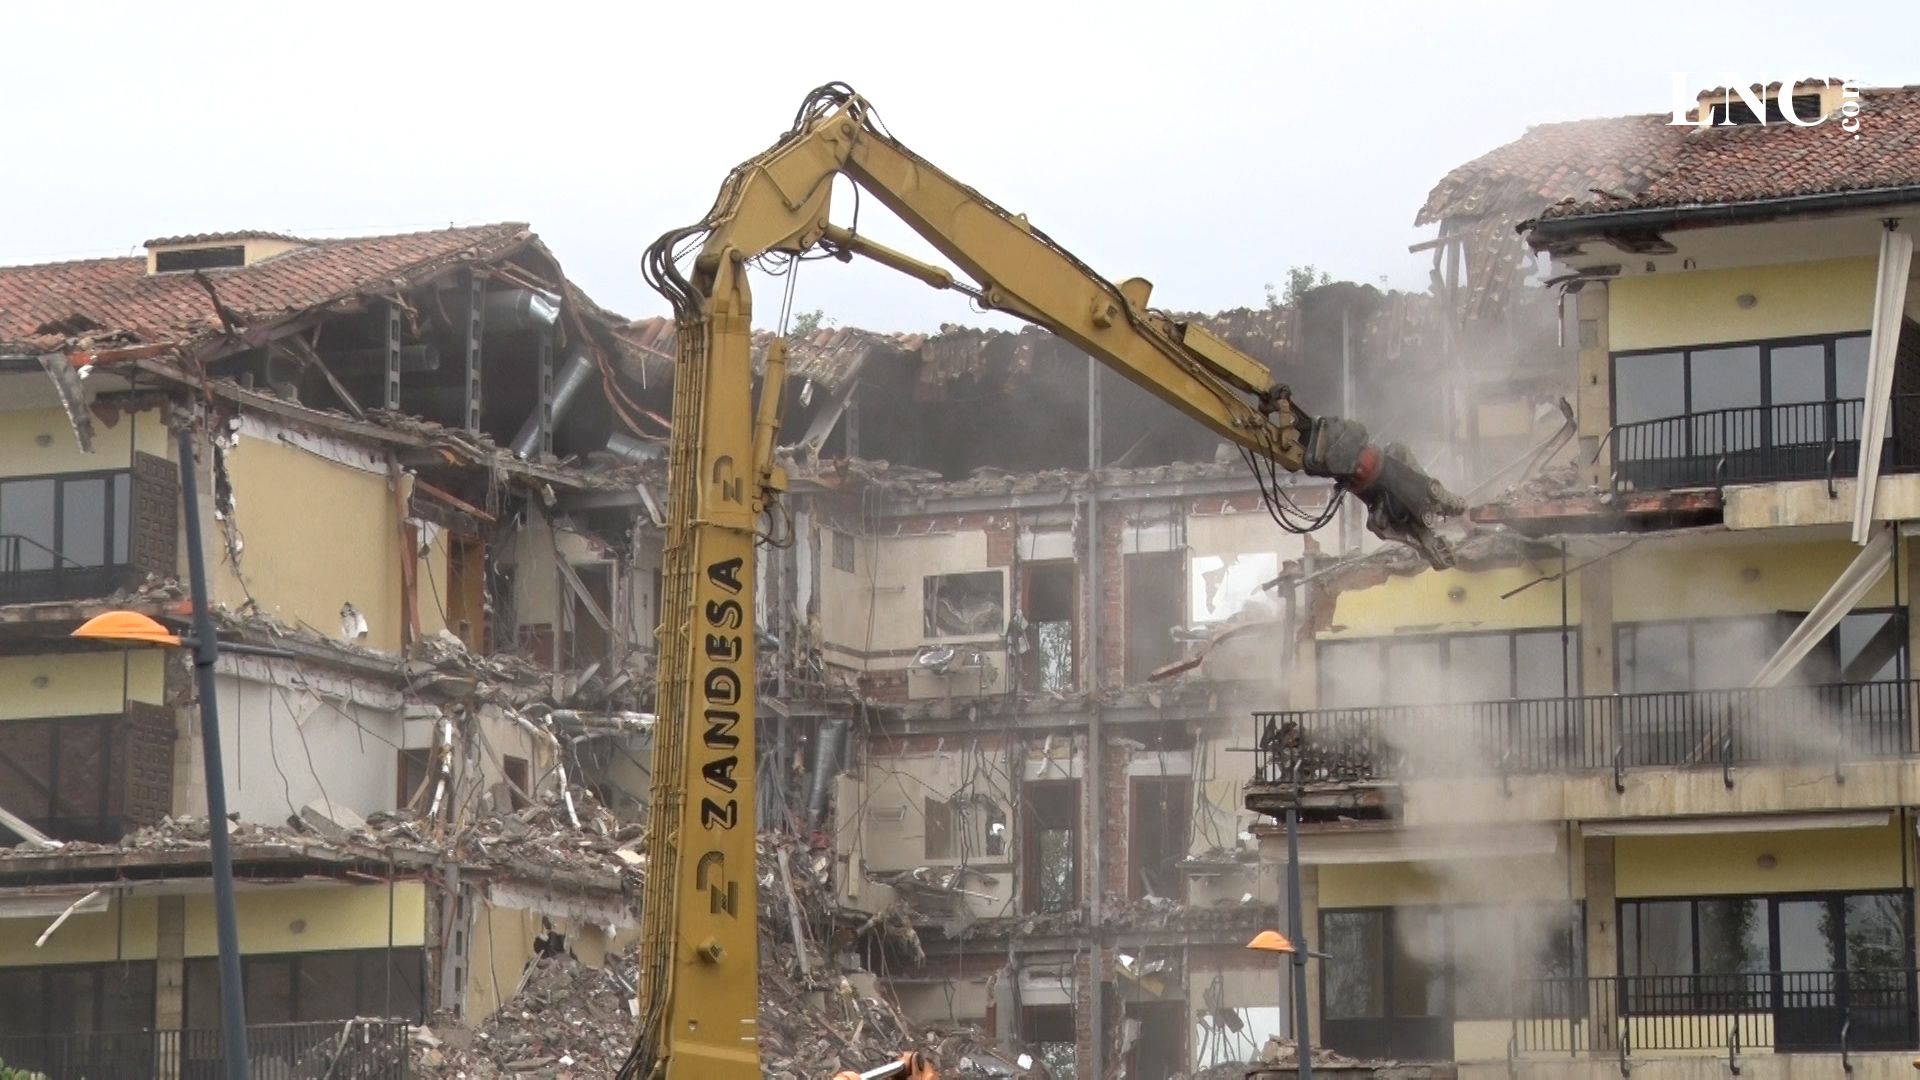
x=1765 y=346
x=1621 y=631
x=1570 y=647
x=115 y=555
x=1773 y=900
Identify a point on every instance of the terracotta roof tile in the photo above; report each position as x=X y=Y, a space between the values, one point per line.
x=1587 y=167
x=214 y=237
x=44 y=306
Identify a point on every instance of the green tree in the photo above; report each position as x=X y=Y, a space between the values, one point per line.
x=806 y=322
x=1300 y=281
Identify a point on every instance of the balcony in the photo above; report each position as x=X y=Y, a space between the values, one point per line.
x=66 y=537
x=1826 y=724
x=358 y=1049
x=1814 y=440
x=89 y=777
x=1781 y=1011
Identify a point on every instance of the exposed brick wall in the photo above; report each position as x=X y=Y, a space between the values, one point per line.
x=1117 y=813
x=1112 y=602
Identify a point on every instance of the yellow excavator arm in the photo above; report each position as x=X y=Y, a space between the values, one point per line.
x=698 y=979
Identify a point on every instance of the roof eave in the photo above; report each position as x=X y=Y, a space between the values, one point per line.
x=1543 y=232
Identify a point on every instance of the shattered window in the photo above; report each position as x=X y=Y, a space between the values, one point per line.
x=1050 y=878
x=964 y=605
x=843 y=557
x=1048 y=1032
x=1223 y=587
x=1048 y=608
x=939 y=829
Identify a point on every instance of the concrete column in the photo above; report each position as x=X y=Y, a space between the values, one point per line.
x=1603 y=934
x=1596 y=659
x=1594 y=409
x=1310 y=921
x=169 y=976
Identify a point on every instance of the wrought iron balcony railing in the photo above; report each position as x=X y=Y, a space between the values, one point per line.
x=342 y=1049
x=1782 y=1011
x=1757 y=444
x=1826 y=724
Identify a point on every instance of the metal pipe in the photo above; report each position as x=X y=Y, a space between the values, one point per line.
x=520 y=309
x=622 y=445
x=1096 y=814
x=1302 y=1036
x=572 y=378
x=206 y=650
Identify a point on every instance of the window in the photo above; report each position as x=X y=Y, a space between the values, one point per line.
x=1050 y=872
x=415 y=767
x=1502 y=666
x=75 y=999
x=1160 y=1048
x=1155 y=603
x=843 y=551
x=1222 y=587
x=966 y=828
x=312 y=987
x=63 y=536
x=59 y=773
x=1047 y=606
x=1704 y=654
x=1160 y=822
x=1431 y=963
x=964 y=605
x=1771 y=410
x=519 y=781
x=1355 y=980
x=1746 y=935
x=206 y=258
x=1048 y=1032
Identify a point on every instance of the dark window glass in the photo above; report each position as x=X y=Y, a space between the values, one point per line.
x=1653 y=657
x=1799 y=376
x=1420 y=962
x=27 y=512
x=1356 y=976
x=1648 y=387
x=1656 y=938
x=1850 y=368
x=1725 y=378
x=327 y=985
x=1416 y=672
x=269 y=983
x=1876 y=933
x=122 y=516
x=1868 y=646
x=1480 y=667
x=1807 y=934
x=1733 y=936
x=83 y=522
x=202 y=993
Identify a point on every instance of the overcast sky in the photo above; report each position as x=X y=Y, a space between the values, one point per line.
x=1205 y=146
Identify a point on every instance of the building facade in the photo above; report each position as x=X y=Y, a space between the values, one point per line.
x=1632 y=784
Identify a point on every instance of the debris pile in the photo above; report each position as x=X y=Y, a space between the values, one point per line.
x=564 y=1020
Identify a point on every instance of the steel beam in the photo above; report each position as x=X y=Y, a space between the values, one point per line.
x=476 y=325
x=392 y=396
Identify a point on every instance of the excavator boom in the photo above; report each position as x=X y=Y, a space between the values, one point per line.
x=698 y=979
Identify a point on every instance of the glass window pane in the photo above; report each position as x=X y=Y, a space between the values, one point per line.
x=122 y=516
x=203 y=993
x=1730 y=652
x=1654 y=657
x=21 y=999
x=26 y=513
x=1868 y=646
x=1850 y=367
x=1799 y=373
x=1733 y=936
x=128 y=1000
x=1876 y=933
x=1656 y=937
x=83 y=521
x=1349 y=674
x=1798 y=394
x=1419 y=962
x=1647 y=387
x=1416 y=672
x=1355 y=978
x=1806 y=935
x=1725 y=378
x=1480 y=667
x=1539 y=670
x=71 y=1001
x=1484 y=959
x=269 y=983
x=327 y=984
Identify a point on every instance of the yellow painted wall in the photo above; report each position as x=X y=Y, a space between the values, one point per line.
x=334 y=917
x=1420 y=601
x=1699 y=307
x=1701 y=580
x=22 y=431
x=318 y=535
x=79 y=684
x=1805 y=860
x=127 y=930
x=502 y=944
x=1541 y=878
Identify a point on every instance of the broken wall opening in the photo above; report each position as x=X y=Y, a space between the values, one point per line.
x=1155 y=604
x=1157 y=1033
x=1049 y=607
x=1160 y=830
x=1050 y=862
x=1048 y=1032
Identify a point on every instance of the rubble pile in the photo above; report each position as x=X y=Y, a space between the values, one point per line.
x=565 y=1020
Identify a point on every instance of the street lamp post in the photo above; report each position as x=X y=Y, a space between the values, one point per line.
x=127 y=627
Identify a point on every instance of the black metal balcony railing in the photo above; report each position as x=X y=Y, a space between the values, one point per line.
x=341 y=1050
x=1756 y=444
x=1787 y=1011
x=31 y=571
x=1830 y=723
